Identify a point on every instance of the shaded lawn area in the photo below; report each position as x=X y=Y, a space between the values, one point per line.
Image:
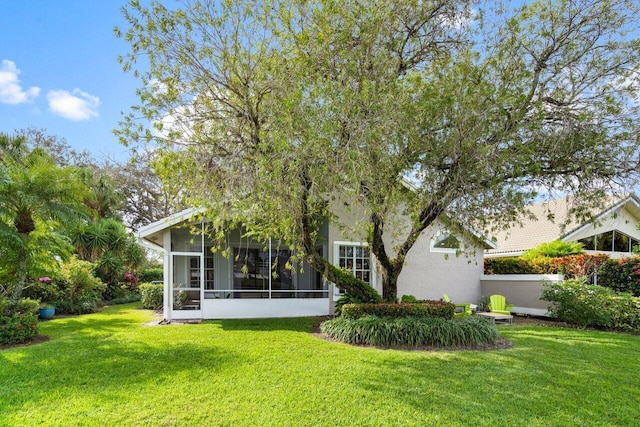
x=109 y=369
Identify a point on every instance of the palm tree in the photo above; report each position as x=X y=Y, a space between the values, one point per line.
x=36 y=197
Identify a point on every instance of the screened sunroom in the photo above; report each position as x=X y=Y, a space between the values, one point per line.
x=242 y=278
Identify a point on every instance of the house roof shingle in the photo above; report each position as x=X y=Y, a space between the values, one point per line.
x=549 y=222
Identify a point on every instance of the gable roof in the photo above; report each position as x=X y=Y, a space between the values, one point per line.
x=549 y=222
x=151 y=234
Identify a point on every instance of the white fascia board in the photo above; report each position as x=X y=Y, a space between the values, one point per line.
x=632 y=198
x=149 y=245
x=167 y=222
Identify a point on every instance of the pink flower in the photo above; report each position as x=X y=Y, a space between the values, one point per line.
x=45 y=279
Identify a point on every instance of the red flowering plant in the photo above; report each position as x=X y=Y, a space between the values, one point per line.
x=131 y=280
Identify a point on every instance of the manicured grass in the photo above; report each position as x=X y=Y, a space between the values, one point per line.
x=108 y=369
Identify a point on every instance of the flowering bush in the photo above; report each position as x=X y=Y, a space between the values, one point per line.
x=571 y=266
x=80 y=290
x=622 y=275
x=576 y=302
x=21 y=325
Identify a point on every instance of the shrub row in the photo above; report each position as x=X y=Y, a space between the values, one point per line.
x=125 y=300
x=621 y=275
x=421 y=309
x=84 y=306
x=151 y=295
x=412 y=331
x=582 y=304
x=571 y=266
x=150 y=274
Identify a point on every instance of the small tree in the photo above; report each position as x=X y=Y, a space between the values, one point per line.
x=36 y=198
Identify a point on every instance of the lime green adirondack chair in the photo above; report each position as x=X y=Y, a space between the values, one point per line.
x=498 y=304
x=462 y=310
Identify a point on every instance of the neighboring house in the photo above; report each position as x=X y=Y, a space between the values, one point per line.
x=614 y=230
x=238 y=281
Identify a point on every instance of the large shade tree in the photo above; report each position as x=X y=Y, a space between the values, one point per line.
x=275 y=110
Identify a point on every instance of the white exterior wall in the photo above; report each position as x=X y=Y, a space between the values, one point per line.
x=426 y=274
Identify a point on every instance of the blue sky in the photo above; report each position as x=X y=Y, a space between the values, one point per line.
x=59 y=71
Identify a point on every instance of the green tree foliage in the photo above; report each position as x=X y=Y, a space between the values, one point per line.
x=274 y=112
x=555 y=249
x=106 y=243
x=145 y=198
x=78 y=284
x=37 y=197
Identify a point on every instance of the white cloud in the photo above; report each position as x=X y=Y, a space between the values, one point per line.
x=76 y=105
x=10 y=90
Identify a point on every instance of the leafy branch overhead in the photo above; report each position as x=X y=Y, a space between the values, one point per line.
x=282 y=111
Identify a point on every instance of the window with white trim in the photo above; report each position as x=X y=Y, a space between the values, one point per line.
x=610 y=241
x=445 y=242
x=354 y=257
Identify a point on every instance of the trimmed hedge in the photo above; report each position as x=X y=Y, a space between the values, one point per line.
x=591 y=305
x=151 y=274
x=424 y=308
x=151 y=295
x=412 y=331
x=571 y=266
x=621 y=275
x=125 y=300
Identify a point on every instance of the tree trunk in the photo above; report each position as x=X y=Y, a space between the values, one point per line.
x=20 y=279
x=344 y=280
x=390 y=269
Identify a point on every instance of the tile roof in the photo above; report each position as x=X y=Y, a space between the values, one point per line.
x=548 y=222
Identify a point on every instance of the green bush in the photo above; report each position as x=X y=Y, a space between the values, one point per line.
x=508 y=266
x=151 y=274
x=555 y=249
x=18 y=328
x=116 y=291
x=420 y=309
x=85 y=306
x=574 y=301
x=621 y=275
x=408 y=299
x=347 y=298
x=412 y=331
x=80 y=288
x=22 y=324
x=151 y=295
x=571 y=266
x=126 y=300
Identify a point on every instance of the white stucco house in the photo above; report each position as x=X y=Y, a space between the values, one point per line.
x=237 y=281
x=613 y=231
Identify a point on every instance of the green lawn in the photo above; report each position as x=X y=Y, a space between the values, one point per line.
x=109 y=369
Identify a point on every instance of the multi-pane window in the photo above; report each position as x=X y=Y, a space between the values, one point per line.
x=611 y=241
x=357 y=259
